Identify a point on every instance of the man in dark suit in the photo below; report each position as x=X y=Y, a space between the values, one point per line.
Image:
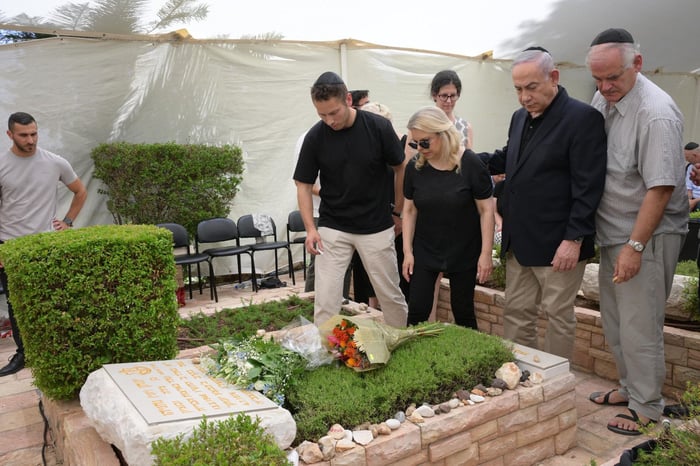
x=555 y=162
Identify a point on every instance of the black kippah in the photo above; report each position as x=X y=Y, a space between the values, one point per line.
x=691 y=146
x=538 y=48
x=329 y=77
x=613 y=35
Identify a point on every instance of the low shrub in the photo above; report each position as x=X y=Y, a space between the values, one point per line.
x=678 y=445
x=91 y=296
x=238 y=441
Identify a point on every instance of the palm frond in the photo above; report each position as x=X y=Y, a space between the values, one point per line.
x=75 y=16
x=24 y=19
x=117 y=16
x=179 y=11
x=264 y=36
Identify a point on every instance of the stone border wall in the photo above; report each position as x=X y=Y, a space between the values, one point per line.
x=591 y=353
x=520 y=427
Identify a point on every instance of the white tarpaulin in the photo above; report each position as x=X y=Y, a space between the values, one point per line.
x=256 y=94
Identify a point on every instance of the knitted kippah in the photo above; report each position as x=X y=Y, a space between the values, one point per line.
x=613 y=35
x=329 y=77
x=538 y=48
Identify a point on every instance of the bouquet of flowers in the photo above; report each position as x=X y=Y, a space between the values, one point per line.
x=365 y=344
x=256 y=363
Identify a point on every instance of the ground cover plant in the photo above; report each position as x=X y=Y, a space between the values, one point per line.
x=678 y=445
x=422 y=370
x=200 y=329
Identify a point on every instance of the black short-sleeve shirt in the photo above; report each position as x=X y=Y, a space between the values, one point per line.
x=352 y=166
x=448 y=229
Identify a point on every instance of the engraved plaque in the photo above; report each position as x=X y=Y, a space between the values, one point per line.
x=176 y=390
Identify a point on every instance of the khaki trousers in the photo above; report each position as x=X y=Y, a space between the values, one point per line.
x=379 y=258
x=533 y=289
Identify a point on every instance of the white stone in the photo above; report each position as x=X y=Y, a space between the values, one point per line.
x=454 y=402
x=362 y=437
x=425 y=411
x=293 y=458
x=476 y=398
x=347 y=435
x=393 y=424
x=118 y=422
x=510 y=373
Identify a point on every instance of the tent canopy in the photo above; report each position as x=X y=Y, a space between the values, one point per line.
x=98 y=88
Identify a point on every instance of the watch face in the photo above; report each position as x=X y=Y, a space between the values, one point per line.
x=636 y=245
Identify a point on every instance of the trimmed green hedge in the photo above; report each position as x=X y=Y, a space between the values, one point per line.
x=92 y=296
x=159 y=183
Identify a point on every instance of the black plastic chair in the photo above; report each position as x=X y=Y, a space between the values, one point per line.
x=221 y=230
x=247 y=229
x=181 y=240
x=296 y=225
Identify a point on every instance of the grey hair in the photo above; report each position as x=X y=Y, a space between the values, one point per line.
x=544 y=60
x=627 y=50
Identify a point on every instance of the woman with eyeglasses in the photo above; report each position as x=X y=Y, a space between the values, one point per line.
x=445 y=90
x=448 y=218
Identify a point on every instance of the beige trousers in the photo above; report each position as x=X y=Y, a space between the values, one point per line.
x=533 y=289
x=379 y=258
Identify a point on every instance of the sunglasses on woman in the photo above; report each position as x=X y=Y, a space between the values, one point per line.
x=424 y=143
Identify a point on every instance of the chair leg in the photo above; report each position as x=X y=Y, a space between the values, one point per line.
x=253 y=275
x=291 y=265
x=189 y=278
x=199 y=280
x=212 y=283
x=240 y=272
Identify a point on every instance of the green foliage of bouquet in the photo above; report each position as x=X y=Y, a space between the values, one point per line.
x=258 y=364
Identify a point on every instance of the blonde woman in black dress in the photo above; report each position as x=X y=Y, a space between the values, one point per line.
x=448 y=218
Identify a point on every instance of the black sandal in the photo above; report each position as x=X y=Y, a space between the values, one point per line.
x=634 y=417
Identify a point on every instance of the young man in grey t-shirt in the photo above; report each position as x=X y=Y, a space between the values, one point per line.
x=29 y=178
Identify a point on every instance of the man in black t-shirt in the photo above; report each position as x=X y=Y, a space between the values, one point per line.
x=349 y=151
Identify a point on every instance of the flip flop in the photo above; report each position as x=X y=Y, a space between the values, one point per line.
x=634 y=417
x=606 y=399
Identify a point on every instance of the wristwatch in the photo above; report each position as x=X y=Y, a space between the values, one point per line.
x=636 y=245
x=68 y=221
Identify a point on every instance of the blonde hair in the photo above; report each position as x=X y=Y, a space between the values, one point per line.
x=434 y=120
x=379 y=109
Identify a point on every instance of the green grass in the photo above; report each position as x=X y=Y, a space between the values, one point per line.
x=242 y=322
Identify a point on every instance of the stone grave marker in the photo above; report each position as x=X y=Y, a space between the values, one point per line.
x=132 y=404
